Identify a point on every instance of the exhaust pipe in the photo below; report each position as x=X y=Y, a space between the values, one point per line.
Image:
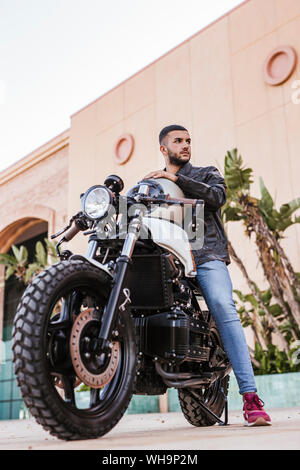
x=187 y=379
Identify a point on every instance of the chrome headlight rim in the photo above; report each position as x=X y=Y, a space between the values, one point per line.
x=87 y=194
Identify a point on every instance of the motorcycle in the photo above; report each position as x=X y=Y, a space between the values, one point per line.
x=123 y=320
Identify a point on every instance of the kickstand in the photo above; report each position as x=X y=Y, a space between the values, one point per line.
x=211 y=413
x=225 y=422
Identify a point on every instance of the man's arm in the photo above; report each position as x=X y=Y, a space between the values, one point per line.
x=213 y=191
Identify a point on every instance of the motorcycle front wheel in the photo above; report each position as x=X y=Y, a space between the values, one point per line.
x=57 y=321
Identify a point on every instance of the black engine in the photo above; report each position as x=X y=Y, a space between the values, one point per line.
x=173 y=336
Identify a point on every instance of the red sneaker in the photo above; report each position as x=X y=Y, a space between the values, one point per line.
x=254 y=414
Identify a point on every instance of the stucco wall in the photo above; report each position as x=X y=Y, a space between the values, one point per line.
x=33 y=189
x=36 y=187
x=212 y=84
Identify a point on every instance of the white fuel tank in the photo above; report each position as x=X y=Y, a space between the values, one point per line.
x=174 y=239
x=165 y=222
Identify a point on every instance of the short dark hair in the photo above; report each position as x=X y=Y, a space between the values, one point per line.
x=165 y=131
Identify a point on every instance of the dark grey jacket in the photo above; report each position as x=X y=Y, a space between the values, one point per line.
x=207 y=183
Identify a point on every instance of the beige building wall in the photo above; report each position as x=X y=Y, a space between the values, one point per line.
x=212 y=84
x=33 y=192
x=265 y=117
x=35 y=187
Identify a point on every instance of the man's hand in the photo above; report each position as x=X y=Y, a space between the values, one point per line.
x=162 y=174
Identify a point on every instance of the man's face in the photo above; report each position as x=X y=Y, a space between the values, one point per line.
x=176 y=147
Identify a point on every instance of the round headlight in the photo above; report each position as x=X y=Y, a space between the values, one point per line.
x=96 y=202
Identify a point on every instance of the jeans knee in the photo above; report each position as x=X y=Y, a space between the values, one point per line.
x=224 y=310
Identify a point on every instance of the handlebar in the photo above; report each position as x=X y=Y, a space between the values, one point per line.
x=71 y=233
x=79 y=222
x=168 y=200
x=184 y=200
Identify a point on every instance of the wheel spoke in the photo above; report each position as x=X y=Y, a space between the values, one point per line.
x=68 y=386
x=94 y=397
x=66 y=310
x=58 y=325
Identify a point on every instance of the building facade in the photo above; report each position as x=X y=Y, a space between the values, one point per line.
x=33 y=206
x=236 y=83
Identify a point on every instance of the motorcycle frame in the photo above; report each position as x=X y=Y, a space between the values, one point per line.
x=115 y=304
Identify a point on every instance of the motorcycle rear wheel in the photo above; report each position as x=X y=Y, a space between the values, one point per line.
x=213 y=397
x=41 y=353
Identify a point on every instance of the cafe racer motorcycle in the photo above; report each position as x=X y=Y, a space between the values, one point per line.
x=124 y=319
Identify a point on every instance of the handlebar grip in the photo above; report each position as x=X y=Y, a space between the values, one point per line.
x=71 y=233
x=184 y=200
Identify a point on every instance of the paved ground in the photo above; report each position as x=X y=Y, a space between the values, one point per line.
x=162 y=432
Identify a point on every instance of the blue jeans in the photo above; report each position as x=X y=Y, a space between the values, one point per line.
x=214 y=280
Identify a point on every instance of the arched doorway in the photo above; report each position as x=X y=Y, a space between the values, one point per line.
x=26 y=232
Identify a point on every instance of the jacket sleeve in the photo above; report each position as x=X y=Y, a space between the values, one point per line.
x=212 y=191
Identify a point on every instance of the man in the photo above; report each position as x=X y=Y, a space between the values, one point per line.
x=211 y=260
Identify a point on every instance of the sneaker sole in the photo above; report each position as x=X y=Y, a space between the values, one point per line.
x=258 y=422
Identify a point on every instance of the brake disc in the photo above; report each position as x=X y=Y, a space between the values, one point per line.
x=93 y=370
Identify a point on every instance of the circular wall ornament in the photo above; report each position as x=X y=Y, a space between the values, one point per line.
x=279 y=65
x=123 y=148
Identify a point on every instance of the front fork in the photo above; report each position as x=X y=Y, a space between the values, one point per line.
x=114 y=304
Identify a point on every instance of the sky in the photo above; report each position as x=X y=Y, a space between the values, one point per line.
x=57 y=56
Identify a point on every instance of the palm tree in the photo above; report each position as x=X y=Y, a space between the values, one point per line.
x=267 y=224
x=17 y=263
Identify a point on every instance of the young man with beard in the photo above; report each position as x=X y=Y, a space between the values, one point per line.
x=212 y=259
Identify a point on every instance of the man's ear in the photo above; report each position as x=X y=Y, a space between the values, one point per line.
x=163 y=150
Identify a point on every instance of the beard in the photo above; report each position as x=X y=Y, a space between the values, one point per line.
x=176 y=159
